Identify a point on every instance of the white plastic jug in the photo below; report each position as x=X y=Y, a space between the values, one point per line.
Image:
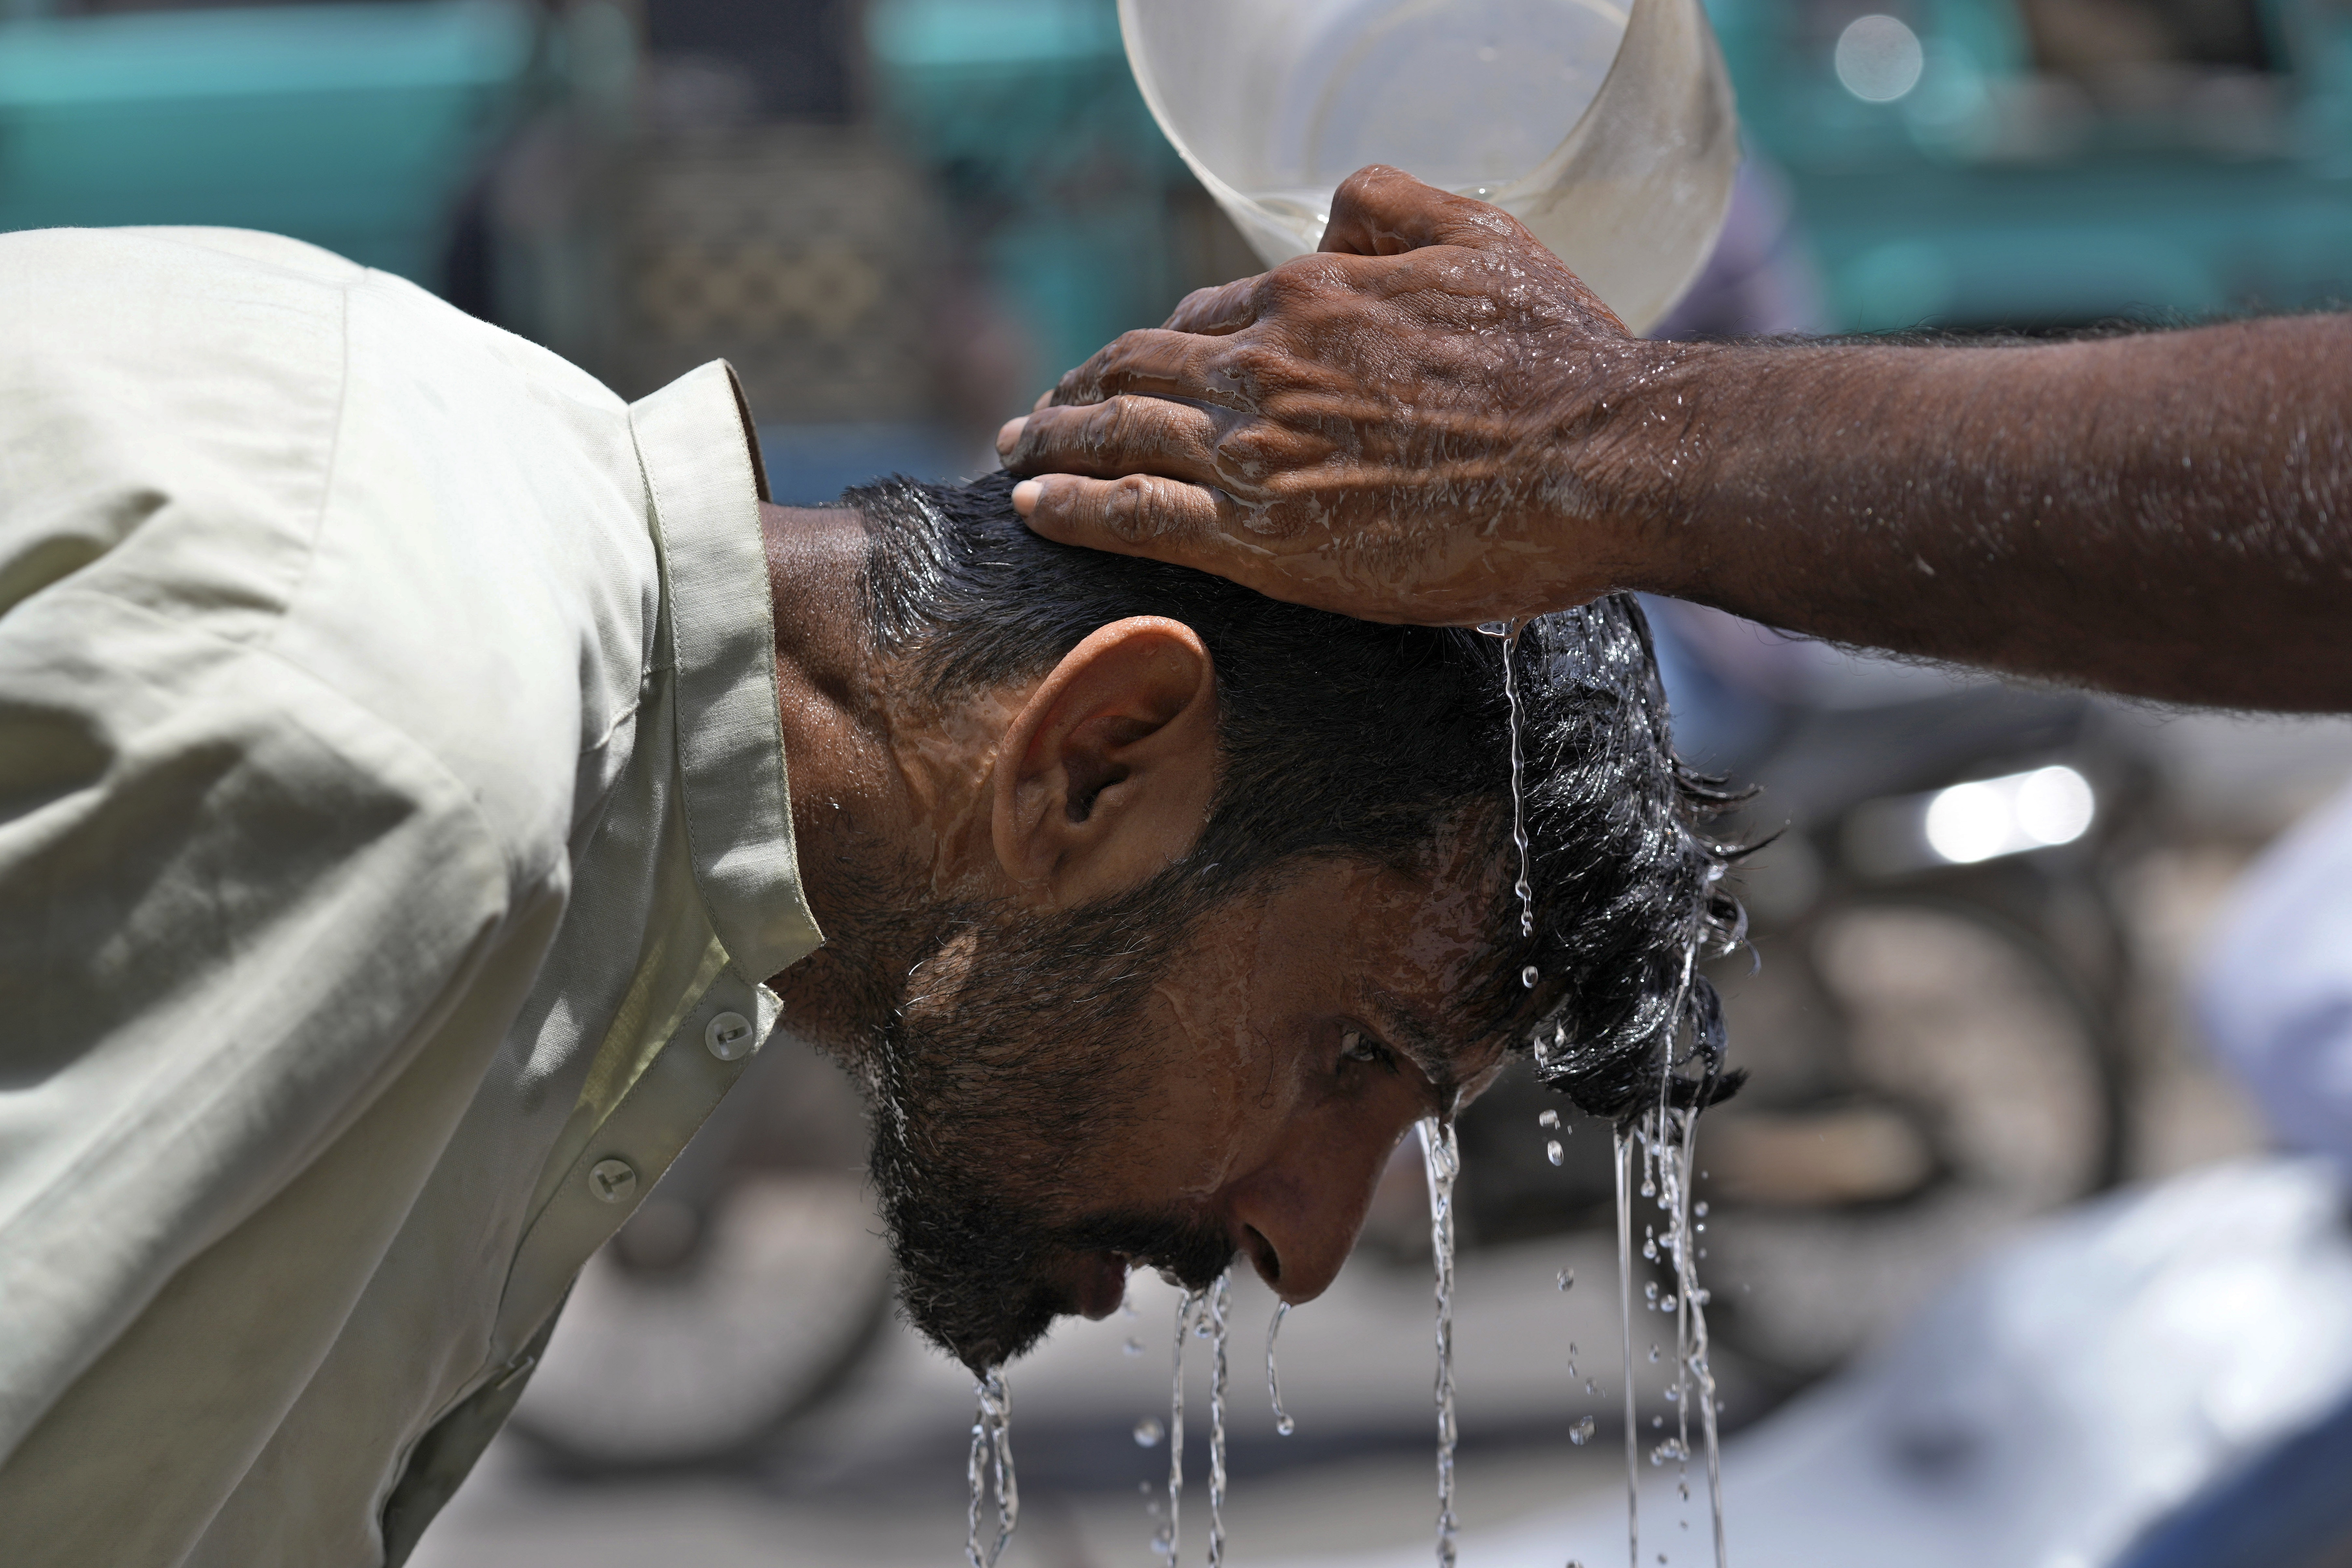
x=1608 y=131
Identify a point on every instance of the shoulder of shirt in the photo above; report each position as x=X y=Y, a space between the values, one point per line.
x=196 y=462
x=218 y=257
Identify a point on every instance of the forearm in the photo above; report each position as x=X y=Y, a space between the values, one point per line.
x=2168 y=515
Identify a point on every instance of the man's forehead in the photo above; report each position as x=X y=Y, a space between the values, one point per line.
x=1424 y=944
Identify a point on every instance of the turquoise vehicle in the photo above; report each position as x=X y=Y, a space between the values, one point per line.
x=1977 y=163
x=1954 y=162
x=1026 y=113
x=356 y=126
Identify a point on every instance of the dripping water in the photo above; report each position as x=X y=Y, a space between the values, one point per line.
x=1508 y=633
x=1166 y=1539
x=1443 y=1160
x=1671 y=1147
x=1624 y=1151
x=992 y=1461
x=1220 y=1302
x=1282 y=1421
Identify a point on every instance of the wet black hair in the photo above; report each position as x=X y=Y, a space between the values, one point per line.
x=1351 y=738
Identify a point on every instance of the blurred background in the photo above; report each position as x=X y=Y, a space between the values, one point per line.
x=1980 y=920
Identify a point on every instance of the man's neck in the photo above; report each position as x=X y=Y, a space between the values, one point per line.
x=888 y=799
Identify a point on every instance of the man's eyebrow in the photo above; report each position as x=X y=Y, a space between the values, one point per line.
x=1420 y=1036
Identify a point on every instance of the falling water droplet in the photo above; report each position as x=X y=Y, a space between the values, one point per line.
x=1132 y=1347
x=1551 y=1151
x=1441 y=1159
x=1548 y=1119
x=1650 y=1293
x=1699 y=1208
x=1149 y=1431
x=1581 y=1433
x=1567 y=1278
x=1282 y=1421
x=1529 y=975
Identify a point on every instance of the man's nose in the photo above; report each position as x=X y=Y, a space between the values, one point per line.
x=1300 y=1215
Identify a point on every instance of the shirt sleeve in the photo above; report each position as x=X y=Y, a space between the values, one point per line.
x=230 y=907
x=234 y=903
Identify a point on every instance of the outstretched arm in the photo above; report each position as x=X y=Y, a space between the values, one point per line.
x=1435 y=422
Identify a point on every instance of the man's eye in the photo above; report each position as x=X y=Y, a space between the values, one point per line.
x=1354 y=1047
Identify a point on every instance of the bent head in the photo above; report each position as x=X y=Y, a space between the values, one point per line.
x=1255 y=917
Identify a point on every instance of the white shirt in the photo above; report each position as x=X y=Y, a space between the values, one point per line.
x=393 y=836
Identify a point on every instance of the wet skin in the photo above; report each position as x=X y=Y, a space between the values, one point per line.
x=1433 y=421
x=1285 y=1048
x=1289 y=1049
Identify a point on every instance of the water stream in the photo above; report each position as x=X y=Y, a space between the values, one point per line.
x=1167 y=1537
x=1443 y=1161
x=1671 y=1147
x=1624 y=1152
x=1220 y=1303
x=1656 y=1150
x=992 y=1460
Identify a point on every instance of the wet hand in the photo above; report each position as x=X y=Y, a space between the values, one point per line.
x=1413 y=424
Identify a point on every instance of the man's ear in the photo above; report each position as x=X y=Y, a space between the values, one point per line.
x=1105 y=775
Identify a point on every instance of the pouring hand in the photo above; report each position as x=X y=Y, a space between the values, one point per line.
x=1419 y=423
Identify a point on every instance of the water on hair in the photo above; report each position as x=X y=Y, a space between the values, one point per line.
x=1508 y=633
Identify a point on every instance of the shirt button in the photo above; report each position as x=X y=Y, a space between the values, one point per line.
x=612 y=1180
x=729 y=1035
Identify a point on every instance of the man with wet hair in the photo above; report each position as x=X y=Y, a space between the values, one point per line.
x=425 y=781
x=1342 y=910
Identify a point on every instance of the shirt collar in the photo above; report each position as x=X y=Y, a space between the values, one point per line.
x=702 y=472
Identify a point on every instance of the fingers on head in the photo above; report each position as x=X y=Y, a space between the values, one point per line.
x=1118 y=436
x=1150 y=360
x=1227 y=307
x=1140 y=515
x=1381 y=211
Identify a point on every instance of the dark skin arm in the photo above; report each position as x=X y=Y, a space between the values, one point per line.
x=1435 y=422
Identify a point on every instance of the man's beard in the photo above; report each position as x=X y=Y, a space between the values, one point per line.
x=1008 y=1065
